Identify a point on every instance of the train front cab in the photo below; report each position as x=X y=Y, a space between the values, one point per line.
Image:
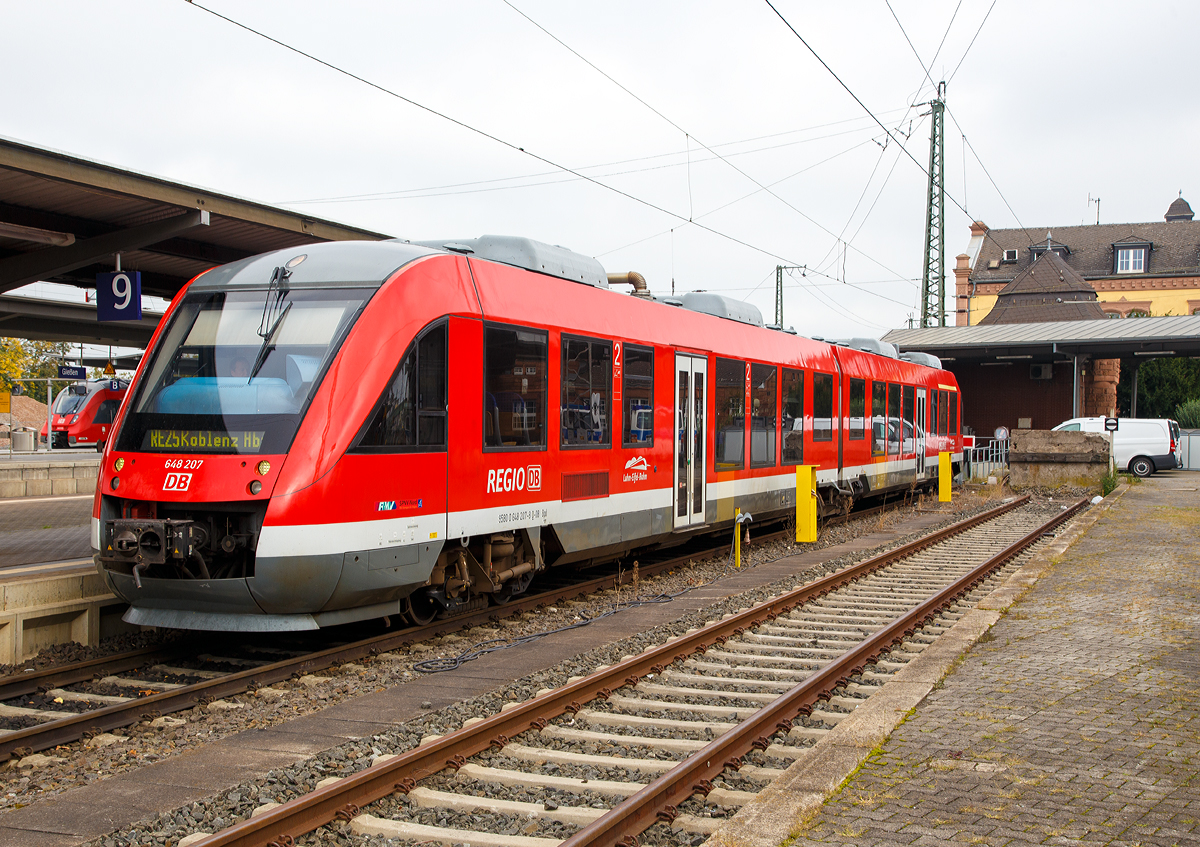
x=228 y=500
x=84 y=412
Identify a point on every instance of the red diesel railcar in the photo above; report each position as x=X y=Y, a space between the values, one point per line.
x=358 y=429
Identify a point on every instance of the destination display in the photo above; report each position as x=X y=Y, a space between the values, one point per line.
x=203 y=440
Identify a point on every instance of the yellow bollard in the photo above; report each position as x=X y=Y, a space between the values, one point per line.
x=737 y=539
x=806 y=503
x=944 y=480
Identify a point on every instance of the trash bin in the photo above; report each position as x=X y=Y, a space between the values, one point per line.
x=22 y=439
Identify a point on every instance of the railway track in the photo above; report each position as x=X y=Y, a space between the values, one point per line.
x=681 y=734
x=58 y=705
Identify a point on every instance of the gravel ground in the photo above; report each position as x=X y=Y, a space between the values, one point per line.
x=84 y=762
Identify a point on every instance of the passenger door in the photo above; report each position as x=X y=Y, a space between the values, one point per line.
x=919 y=434
x=690 y=428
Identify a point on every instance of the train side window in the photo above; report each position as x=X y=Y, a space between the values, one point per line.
x=762 y=416
x=943 y=428
x=858 y=409
x=893 y=420
x=792 y=387
x=432 y=374
x=106 y=412
x=933 y=412
x=878 y=418
x=953 y=430
x=515 y=361
x=586 y=392
x=637 y=393
x=411 y=413
x=822 y=407
x=910 y=412
x=730 y=423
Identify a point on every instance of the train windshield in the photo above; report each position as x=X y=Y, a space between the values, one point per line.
x=69 y=402
x=235 y=370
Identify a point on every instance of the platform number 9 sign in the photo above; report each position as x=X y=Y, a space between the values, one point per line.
x=119 y=296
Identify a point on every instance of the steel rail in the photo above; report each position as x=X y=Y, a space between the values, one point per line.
x=343 y=799
x=657 y=801
x=66 y=730
x=31 y=682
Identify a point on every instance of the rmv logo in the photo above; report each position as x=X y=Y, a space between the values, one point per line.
x=515 y=479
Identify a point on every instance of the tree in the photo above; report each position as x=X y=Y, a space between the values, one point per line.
x=12 y=362
x=1163 y=384
x=44 y=357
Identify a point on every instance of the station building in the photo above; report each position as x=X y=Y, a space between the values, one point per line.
x=1034 y=342
x=1136 y=269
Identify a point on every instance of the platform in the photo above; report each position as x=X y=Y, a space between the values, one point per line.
x=1074 y=719
x=50 y=592
x=46 y=474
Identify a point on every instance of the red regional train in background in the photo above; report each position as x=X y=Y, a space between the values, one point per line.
x=84 y=413
x=361 y=429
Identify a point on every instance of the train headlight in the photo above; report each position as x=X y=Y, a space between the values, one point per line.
x=116 y=483
x=262 y=467
x=255 y=487
x=118 y=464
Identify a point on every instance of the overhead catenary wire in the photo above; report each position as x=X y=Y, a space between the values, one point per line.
x=492 y=184
x=858 y=100
x=736 y=200
x=551 y=163
x=690 y=136
x=986 y=173
x=490 y=136
x=928 y=76
x=972 y=44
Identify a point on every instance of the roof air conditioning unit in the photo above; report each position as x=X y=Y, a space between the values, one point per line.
x=1010 y=256
x=1041 y=371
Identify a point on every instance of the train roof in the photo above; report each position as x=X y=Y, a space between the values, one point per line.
x=520 y=252
x=362 y=264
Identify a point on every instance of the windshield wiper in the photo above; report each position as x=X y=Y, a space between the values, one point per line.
x=272 y=317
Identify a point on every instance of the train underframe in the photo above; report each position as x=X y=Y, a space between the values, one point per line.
x=196 y=567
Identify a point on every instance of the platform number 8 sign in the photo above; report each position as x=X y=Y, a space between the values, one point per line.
x=119 y=296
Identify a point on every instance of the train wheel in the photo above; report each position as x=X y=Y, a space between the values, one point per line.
x=420 y=608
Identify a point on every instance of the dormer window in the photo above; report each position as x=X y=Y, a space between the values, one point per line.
x=1131 y=256
x=1131 y=260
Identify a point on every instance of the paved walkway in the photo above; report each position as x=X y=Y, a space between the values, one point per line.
x=45 y=529
x=1074 y=720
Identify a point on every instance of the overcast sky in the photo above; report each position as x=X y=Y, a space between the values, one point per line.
x=727 y=120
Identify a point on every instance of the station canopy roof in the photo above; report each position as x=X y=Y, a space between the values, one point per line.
x=1111 y=338
x=63 y=218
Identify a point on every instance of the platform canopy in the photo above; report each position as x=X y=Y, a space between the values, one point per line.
x=63 y=218
x=1149 y=337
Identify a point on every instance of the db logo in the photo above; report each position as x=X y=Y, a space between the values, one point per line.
x=515 y=479
x=177 y=482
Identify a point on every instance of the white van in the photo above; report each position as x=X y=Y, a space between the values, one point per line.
x=1141 y=445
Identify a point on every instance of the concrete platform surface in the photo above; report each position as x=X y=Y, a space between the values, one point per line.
x=1074 y=720
x=45 y=529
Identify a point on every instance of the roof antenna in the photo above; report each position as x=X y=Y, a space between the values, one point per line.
x=1096 y=200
